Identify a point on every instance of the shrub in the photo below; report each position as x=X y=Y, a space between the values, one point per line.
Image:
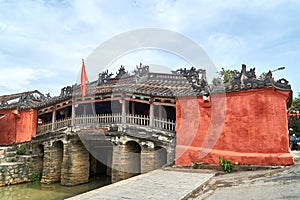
x=13 y=160
x=195 y=165
x=21 y=150
x=35 y=177
x=225 y=164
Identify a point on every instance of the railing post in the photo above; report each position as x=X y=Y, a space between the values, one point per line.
x=151 y=112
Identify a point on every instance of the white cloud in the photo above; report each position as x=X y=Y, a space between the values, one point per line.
x=20 y=78
x=55 y=35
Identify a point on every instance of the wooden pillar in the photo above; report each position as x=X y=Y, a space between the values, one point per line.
x=151 y=112
x=73 y=114
x=84 y=109
x=53 y=118
x=132 y=108
x=159 y=111
x=123 y=101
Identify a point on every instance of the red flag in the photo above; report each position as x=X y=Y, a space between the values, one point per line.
x=83 y=79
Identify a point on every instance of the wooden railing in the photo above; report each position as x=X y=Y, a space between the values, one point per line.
x=44 y=128
x=114 y=118
x=166 y=124
x=142 y=120
x=58 y=124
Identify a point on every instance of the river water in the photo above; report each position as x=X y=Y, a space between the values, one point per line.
x=55 y=191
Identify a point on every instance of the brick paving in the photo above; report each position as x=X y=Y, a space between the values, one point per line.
x=158 y=184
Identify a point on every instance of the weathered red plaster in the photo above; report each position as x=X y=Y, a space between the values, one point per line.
x=17 y=126
x=254 y=129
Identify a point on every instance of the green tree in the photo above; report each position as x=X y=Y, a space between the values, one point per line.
x=226 y=74
x=294 y=115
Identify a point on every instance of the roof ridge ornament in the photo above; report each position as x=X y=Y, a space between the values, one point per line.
x=141 y=73
x=122 y=73
x=104 y=78
x=199 y=84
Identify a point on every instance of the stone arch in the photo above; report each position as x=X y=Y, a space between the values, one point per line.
x=161 y=157
x=133 y=162
x=100 y=158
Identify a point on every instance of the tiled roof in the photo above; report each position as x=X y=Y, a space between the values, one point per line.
x=24 y=100
x=156 y=84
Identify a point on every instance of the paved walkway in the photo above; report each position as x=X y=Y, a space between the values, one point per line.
x=158 y=184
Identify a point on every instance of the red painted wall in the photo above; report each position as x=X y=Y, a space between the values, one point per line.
x=17 y=126
x=248 y=127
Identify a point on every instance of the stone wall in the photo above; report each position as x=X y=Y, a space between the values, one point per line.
x=18 y=172
x=13 y=173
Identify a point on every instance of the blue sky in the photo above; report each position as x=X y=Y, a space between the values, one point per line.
x=42 y=42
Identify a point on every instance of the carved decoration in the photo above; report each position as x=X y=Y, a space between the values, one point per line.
x=141 y=73
x=3 y=103
x=104 y=78
x=65 y=91
x=48 y=95
x=199 y=84
x=283 y=84
x=247 y=79
x=122 y=73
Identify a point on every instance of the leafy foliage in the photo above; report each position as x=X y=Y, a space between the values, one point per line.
x=195 y=165
x=35 y=177
x=294 y=116
x=21 y=150
x=225 y=164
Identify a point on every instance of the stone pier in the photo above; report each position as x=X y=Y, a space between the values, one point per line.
x=66 y=162
x=136 y=157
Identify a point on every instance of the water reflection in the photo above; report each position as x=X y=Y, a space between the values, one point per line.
x=37 y=191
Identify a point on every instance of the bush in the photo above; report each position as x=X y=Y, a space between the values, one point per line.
x=195 y=165
x=21 y=150
x=225 y=164
x=35 y=177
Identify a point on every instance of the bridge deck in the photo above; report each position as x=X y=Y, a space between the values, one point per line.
x=158 y=184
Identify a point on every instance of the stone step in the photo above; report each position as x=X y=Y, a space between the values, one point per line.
x=11 y=159
x=10 y=154
x=11 y=149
